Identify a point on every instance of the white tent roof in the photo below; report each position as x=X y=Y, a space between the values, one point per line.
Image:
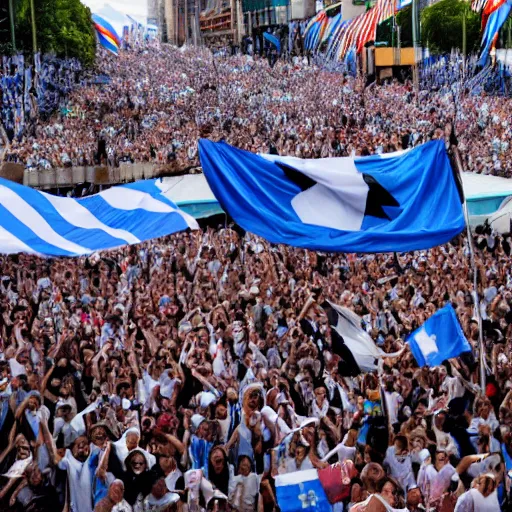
x=188 y=189
x=478 y=186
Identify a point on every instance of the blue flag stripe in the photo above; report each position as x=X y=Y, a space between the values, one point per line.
x=12 y=225
x=258 y=195
x=57 y=226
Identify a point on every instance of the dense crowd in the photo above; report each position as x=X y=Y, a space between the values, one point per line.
x=160 y=102
x=190 y=372
x=30 y=92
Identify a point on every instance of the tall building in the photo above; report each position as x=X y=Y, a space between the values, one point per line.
x=221 y=22
x=179 y=19
x=153 y=11
x=156 y=16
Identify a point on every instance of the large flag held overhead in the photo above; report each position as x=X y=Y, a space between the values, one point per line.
x=395 y=202
x=438 y=339
x=36 y=222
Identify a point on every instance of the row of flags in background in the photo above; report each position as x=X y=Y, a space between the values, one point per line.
x=50 y=80
x=346 y=37
x=494 y=15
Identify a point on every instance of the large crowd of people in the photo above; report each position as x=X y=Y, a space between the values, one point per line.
x=190 y=372
x=158 y=103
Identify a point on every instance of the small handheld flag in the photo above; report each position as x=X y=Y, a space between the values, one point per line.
x=438 y=339
x=272 y=39
x=301 y=491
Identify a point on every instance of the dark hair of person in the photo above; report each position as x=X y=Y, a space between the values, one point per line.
x=383 y=481
x=219 y=481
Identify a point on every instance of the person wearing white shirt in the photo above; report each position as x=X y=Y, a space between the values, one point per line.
x=434 y=480
x=482 y=497
x=245 y=487
x=393 y=402
x=399 y=463
x=346 y=450
x=80 y=474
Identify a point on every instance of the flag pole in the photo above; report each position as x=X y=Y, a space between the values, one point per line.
x=476 y=300
x=11 y=23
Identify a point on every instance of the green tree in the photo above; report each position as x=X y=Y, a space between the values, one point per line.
x=63 y=27
x=441 y=26
x=404 y=20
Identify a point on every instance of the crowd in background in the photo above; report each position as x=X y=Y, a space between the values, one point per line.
x=188 y=373
x=31 y=92
x=158 y=103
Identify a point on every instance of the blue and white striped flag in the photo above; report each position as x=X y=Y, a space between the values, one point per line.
x=35 y=222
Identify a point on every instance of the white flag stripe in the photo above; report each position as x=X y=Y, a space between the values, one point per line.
x=191 y=222
x=29 y=216
x=12 y=245
x=81 y=217
x=129 y=199
x=297 y=477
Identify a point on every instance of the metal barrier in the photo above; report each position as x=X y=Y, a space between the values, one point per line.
x=69 y=177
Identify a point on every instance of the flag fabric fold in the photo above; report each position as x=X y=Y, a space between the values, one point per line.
x=394 y=202
x=438 y=339
x=107 y=35
x=494 y=18
x=35 y=222
x=360 y=344
x=272 y=39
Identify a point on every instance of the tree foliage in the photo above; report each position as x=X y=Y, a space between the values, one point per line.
x=63 y=27
x=441 y=26
x=404 y=20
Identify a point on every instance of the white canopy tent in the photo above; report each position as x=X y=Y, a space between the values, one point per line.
x=485 y=195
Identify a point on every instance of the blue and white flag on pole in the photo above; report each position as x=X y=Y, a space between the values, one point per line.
x=36 y=222
x=272 y=39
x=394 y=202
x=301 y=491
x=438 y=339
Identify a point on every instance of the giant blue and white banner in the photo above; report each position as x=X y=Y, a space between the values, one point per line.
x=36 y=222
x=399 y=202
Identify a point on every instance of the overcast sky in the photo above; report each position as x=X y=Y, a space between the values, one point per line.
x=130 y=7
